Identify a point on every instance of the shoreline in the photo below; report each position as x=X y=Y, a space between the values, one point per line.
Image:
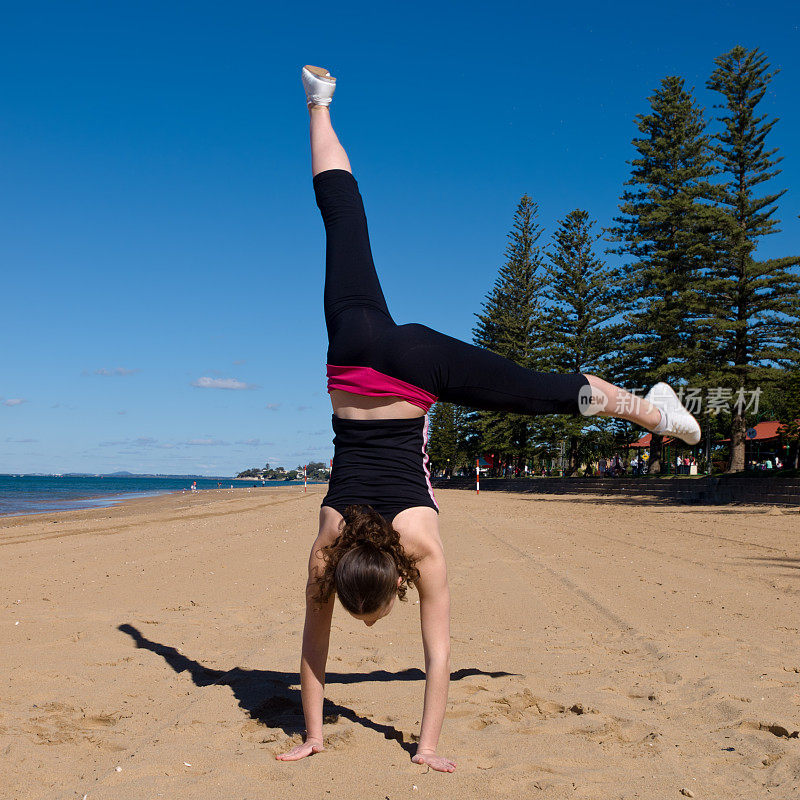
x=92 y=501
x=100 y=501
x=122 y=504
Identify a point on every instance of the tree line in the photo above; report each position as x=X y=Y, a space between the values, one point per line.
x=686 y=301
x=315 y=471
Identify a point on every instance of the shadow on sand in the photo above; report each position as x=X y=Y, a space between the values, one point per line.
x=273 y=698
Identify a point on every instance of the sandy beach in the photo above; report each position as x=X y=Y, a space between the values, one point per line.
x=602 y=648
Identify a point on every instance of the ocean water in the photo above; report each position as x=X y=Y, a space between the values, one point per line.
x=31 y=494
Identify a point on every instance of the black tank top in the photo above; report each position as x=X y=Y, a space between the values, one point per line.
x=381 y=463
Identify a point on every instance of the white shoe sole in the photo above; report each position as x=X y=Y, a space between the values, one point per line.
x=320 y=72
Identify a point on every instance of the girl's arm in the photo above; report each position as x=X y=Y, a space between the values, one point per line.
x=316 y=636
x=434 y=612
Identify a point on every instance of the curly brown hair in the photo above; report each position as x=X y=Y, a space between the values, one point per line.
x=363 y=563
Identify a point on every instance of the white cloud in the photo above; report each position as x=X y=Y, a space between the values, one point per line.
x=222 y=383
x=9 y=440
x=139 y=441
x=115 y=371
x=272 y=406
x=14 y=401
x=255 y=443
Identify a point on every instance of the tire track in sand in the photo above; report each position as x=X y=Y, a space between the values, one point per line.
x=593 y=601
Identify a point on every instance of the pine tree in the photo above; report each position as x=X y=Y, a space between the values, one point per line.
x=755 y=303
x=667 y=225
x=508 y=324
x=582 y=297
x=448 y=445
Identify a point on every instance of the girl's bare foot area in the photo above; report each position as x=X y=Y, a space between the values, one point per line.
x=308 y=748
x=439 y=763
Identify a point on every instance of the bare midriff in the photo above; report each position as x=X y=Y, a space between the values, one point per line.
x=358 y=406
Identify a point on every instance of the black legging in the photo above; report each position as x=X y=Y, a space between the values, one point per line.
x=362 y=333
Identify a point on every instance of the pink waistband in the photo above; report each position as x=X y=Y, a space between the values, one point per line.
x=371 y=383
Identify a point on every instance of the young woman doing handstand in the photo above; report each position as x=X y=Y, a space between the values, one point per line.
x=378 y=526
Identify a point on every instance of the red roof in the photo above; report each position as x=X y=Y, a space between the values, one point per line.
x=764 y=431
x=645 y=441
x=767 y=430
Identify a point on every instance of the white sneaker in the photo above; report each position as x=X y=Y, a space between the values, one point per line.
x=319 y=85
x=675 y=419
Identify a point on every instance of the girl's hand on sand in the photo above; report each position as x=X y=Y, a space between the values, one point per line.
x=308 y=748
x=438 y=763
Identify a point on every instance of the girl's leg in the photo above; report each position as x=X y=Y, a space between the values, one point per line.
x=660 y=411
x=351 y=281
x=326 y=151
x=461 y=373
x=613 y=401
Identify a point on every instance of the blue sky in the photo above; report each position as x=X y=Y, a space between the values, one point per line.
x=159 y=235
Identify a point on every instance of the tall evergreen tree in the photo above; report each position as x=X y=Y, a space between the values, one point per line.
x=667 y=225
x=449 y=446
x=582 y=297
x=755 y=303
x=508 y=323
